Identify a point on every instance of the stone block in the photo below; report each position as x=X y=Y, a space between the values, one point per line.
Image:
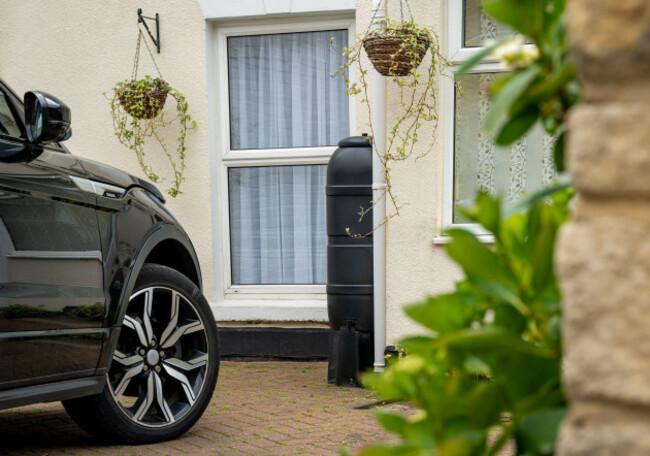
x=604 y=269
x=604 y=429
x=609 y=149
x=610 y=46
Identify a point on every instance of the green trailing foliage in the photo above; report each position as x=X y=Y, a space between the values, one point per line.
x=542 y=84
x=489 y=369
x=417 y=89
x=136 y=109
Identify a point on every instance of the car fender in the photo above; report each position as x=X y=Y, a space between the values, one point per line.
x=163 y=233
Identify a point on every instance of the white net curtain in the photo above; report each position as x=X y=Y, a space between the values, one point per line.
x=282 y=95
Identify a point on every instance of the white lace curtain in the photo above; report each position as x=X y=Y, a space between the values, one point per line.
x=522 y=168
x=282 y=95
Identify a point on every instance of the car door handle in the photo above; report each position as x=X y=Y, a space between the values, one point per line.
x=97 y=188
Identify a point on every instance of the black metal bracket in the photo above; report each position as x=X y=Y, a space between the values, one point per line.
x=141 y=19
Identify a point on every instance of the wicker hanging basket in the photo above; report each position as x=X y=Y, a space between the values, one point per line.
x=394 y=54
x=142 y=103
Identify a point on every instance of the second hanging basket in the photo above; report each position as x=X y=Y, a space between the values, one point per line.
x=395 y=52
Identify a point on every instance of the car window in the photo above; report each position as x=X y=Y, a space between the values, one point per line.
x=8 y=124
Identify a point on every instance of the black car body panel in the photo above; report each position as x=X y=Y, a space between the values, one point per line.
x=104 y=173
x=69 y=258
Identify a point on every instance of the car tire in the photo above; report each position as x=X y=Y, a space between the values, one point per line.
x=164 y=367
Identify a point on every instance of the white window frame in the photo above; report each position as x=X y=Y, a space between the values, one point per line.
x=457 y=55
x=261 y=302
x=455 y=26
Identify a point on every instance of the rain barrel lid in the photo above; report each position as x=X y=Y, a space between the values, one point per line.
x=355 y=141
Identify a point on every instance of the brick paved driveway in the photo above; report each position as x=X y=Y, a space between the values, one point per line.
x=259 y=408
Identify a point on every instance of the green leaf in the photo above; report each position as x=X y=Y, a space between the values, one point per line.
x=509 y=93
x=542 y=254
x=494 y=340
x=501 y=292
x=419 y=344
x=418 y=433
x=517 y=126
x=525 y=16
x=486 y=405
x=476 y=366
x=487 y=212
x=551 y=85
x=391 y=421
x=477 y=260
x=500 y=81
x=384 y=386
x=461 y=440
x=443 y=314
x=509 y=318
x=537 y=433
x=503 y=12
x=524 y=374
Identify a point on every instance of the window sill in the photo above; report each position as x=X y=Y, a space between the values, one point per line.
x=271 y=310
x=484 y=238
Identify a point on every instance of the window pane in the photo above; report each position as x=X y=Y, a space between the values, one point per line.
x=510 y=172
x=8 y=124
x=281 y=91
x=478 y=27
x=277 y=225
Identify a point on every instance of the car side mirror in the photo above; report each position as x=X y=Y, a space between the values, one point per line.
x=47 y=118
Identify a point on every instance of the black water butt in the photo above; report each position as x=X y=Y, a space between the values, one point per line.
x=349 y=261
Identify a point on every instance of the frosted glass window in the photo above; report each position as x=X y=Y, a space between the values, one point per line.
x=522 y=168
x=277 y=225
x=281 y=91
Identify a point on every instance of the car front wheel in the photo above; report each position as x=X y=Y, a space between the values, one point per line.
x=164 y=367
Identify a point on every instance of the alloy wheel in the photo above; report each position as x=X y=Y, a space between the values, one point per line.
x=160 y=362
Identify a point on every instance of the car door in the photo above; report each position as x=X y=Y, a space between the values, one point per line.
x=51 y=279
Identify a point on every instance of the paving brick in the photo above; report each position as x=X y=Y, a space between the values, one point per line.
x=259 y=408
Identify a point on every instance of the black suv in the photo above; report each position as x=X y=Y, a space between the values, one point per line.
x=100 y=289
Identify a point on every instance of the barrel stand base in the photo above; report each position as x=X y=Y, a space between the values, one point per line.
x=350 y=354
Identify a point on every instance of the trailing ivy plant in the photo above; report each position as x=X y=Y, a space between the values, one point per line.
x=489 y=369
x=418 y=94
x=542 y=84
x=136 y=109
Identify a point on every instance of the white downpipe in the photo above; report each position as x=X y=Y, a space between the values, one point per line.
x=379 y=210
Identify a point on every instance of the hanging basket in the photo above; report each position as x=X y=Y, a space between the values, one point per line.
x=396 y=54
x=143 y=99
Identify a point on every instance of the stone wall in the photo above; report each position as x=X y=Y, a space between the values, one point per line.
x=604 y=252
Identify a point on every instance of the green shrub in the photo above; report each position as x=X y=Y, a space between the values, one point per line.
x=491 y=362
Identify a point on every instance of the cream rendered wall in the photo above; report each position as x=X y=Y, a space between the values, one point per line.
x=76 y=50
x=415 y=266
